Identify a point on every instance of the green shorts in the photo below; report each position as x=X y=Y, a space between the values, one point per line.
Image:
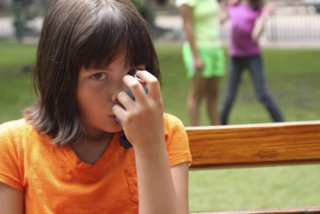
x=213 y=58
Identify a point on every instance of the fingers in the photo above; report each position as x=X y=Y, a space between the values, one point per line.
x=152 y=84
x=145 y=111
x=135 y=87
x=143 y=90
x=269 y=8
x=119 y=112
x=120 y=109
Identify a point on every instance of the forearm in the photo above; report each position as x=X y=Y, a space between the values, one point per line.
x=186 y=13
x=191 y=40
x=155 y=186
x=262 y=20
x=156 y=189
x=258 y=28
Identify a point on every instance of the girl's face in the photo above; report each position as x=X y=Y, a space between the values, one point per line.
x=97 y=93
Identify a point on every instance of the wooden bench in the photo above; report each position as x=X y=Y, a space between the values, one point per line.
x=288 y=143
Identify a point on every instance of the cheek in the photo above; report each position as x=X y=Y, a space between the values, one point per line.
x=91 y=97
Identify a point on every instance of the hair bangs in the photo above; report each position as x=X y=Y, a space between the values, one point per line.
x=104 y=40
x=110 y=33
x=140 y=48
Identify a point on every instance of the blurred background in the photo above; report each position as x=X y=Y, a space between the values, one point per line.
x=291 y=49
x=294 y=20
x=291 y=44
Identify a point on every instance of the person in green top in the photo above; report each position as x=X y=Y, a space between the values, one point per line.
x=203 y=56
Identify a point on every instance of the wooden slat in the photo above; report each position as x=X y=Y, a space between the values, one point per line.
x=255 y=145
x=311 y=210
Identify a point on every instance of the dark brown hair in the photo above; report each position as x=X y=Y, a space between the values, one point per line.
x=78 y=33
x=256 y=4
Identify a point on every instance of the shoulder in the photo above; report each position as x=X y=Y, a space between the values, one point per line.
x=14 y=133
x=176 y=140
x=172 y=122
x=190 y=3
x=235 y=8
x=14 y=128
x=14 y=123
x=11 y=127
x=174 y=129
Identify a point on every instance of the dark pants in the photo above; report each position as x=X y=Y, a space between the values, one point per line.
x=255 y=66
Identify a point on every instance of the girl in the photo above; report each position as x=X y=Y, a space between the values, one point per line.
x=202 y=55
x=248 y=19
x=71 y=153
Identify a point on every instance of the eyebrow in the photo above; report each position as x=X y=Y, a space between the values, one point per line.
x=107 y=67
x=132 y=69
x=94 y=69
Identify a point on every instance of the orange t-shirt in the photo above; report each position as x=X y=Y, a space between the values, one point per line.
x=55 y=180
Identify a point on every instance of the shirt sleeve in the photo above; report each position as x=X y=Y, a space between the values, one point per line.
x=10 y=169
x=177 y=141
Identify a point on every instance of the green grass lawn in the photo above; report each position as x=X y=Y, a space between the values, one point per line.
x=293 y=77
x=16 y=90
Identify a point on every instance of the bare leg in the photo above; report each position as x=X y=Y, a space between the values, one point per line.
x=212 y=92
x=196 y=92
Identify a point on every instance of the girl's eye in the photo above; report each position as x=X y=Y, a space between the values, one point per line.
x=99 y=76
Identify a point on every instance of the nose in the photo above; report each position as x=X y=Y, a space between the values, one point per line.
x=118 y=87
x=114 y=98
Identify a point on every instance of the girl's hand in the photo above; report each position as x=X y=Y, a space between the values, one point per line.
x=142 y=118
x=268 y=10
x=198 y=64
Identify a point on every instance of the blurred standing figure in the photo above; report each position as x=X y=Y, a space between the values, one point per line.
x=203 y=56
x=248 y=19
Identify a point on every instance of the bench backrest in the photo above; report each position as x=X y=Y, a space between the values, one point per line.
x=256 y=145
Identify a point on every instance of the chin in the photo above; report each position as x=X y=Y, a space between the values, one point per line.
x=113 y=127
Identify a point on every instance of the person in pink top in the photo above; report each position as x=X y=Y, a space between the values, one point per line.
x=248 y=19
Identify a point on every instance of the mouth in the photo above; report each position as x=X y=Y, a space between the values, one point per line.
x=117 y=120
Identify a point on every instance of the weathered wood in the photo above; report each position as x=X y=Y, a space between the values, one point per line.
x=255 y=145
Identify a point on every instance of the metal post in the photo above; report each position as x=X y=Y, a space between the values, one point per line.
x=18 y=22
